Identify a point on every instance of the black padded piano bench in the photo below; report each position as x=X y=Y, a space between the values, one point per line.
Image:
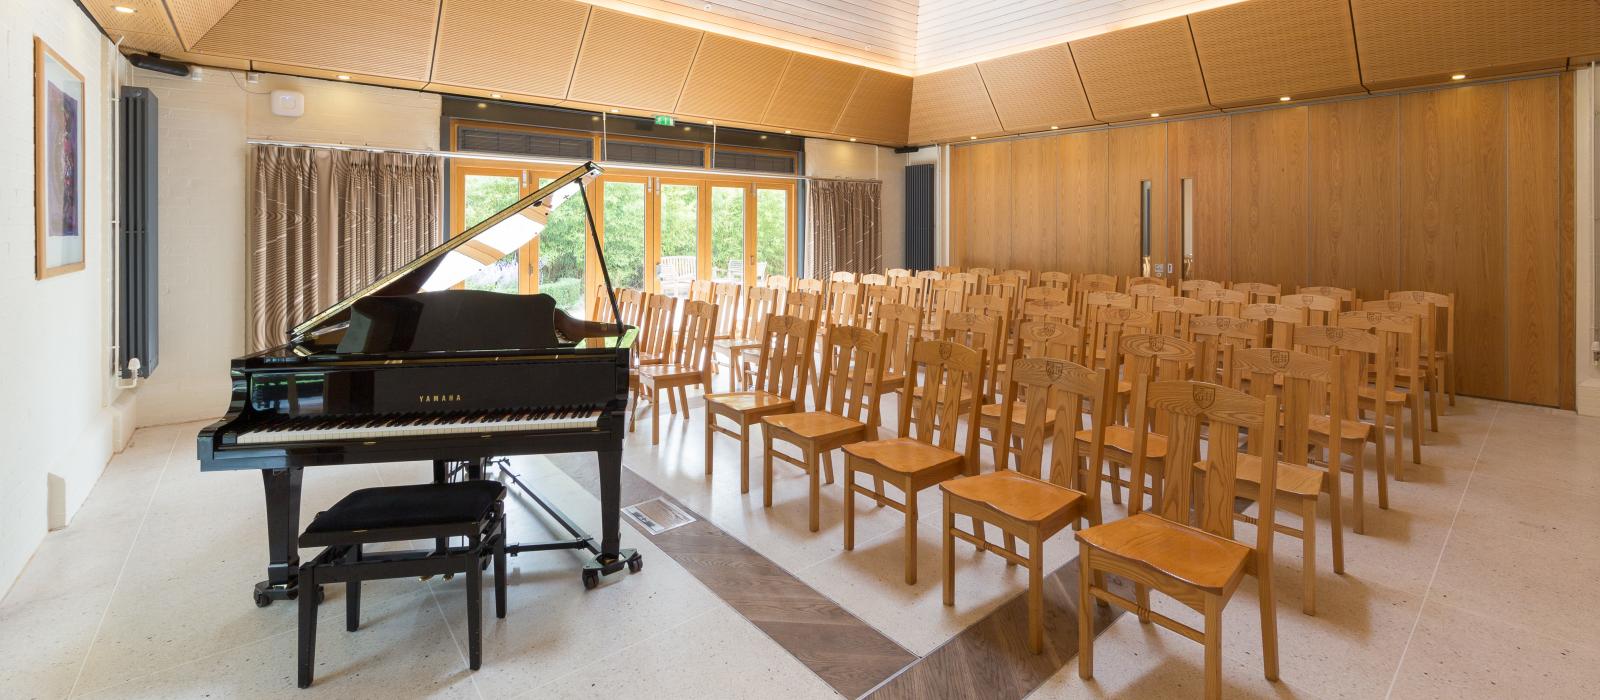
x=470 y=509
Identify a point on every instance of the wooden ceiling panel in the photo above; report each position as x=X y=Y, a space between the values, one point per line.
x=632 y=61
x=196 y=17
x=1407 y=42
x=727 y=82
x=950 y=105
x=476 y=37
x=879 y=110
x=325 y=74
x=1037 y=89
x=1258 y=51
x=149 y=17
x=812 y=93
x=391 y=39
x=1132 y=72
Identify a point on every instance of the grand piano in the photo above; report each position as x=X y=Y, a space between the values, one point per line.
x=412 y=368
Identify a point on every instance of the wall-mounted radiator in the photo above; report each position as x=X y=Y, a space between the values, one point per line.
x=138 y=276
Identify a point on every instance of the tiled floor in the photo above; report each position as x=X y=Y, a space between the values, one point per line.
x=1478 y=582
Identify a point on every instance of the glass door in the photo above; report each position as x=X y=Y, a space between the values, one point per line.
x=678 y=244
x=773 y=232
x=560 y=254
x=728 y=233
x=480 y=192
x=626 y=220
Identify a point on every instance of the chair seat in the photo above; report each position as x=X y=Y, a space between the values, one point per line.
x=1022 y=497
x=363 y=515
x=1121 y=438
x=1296 y=479
x=1193 y=556
x=747 y=401
x=735 y=344
x=904 y=455
x=1351 y=429
x=670 y=371
x=1369 y=393
x=815 y=425
x=1019 y=415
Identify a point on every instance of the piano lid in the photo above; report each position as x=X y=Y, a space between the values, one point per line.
x=465 y=253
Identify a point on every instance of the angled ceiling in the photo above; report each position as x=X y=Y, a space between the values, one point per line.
x=841 y=68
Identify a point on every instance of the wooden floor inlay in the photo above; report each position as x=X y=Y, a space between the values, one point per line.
x=845 y=652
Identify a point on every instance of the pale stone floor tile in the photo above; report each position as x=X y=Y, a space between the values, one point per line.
x=1533 y=511
x=1457 y=653
x=1531 y=583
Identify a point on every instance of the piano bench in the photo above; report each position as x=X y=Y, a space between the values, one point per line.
x=470 y=509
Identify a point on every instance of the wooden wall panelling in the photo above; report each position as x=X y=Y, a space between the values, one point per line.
x=1453 y=217
x=960 y=190
x=1198 y=149
x=1269 y=188
x=632 y=61
x=390 y=40
x=989 y=231
x=477 y=36
x=1412 y=42
x=1565 y=250
x=1033 y=205
x=1533 y=284
x=1355 y=195
x=1082 y=236
x=1255 y=52
x=1132 y=72
x=1137 y=153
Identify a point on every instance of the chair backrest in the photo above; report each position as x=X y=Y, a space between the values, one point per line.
x=781 y=283
x=982 y=333
x=1115 y=300
x=807 y=284
x=1050 y=339
x=929 y=275
x=944 y=297
x=1277 y=321
x=1398 y=331
x=1058 y=280
x=967 y=280
x=1136 y=281
x=1156 y=355
x=1093 y=282
x=1106 y=328
x=841 y=303
x=894 y=272
x=853 y=365
x=1352 y=351
x=1063 y=386
x=1048 y=310
x=1301 y=381
x=872 y=297
x=1345 y=296
x=1320 y=310
x=1173 y=315
x=695 y=334
x=912 y=289
x=874 y=279
x=803 y=304
x=726 y=295
x=655 y=336
x=995 y=307
x=1224 y=302
x=901 y=325
x=842 y=276
x=1006 y=287
x=1190 y=288
x=1224 y=415
x=945 y=269
x=786 y=343
x=700 y=290
x=1428 y=331
x=942 y=368
x=1144 y=294
x=1444 y=306
x=1218 y=338
x=1044 y=292
x=759 y=303
x=1024 y=277
x=1260 y=292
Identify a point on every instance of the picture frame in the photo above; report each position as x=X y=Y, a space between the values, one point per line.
x=58 y=164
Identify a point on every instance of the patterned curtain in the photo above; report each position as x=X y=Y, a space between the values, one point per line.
x=386 y=213
x=842 y=228
x=285 y=258
x=324 y=224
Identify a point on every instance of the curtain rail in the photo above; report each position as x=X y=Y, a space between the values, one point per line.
x=507 y=158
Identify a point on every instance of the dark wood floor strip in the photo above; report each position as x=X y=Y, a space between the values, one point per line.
x=845 y=652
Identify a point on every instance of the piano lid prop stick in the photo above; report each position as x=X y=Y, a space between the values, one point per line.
x=605 y=272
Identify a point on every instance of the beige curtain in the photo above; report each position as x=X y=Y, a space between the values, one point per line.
x=842 y=228
x=324 y=224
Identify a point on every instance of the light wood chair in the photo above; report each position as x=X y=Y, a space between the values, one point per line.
x=807 y=284
x=1399 y=357
x=690 y=365
x=1027 y=504
x=1145 y=294
x=911 y=289
x=1224 y=302
x=701 y=290
x=899 y=324
x=1138 y=281
x=1277 y=321
x=874 y=279
x=1297 y=379
x=784 y=348
x=1444 y=347
x=895 y=272
x=1320 y=310
x=1173 y=315
x=1194 y=559
x=630 y=301
x=1023 y=276
x=999 y=309
x=655 y=344
x=728 y=297
x=944 y=297
x=926 y=452
x=1428 y=338
x=759 y=303
x=1044 y=292
x=1218 y=338
x=946 y=269
x=1192 y=288
x=1090 y=284
x=1034 y=339
x=1349 y=350
x=982 y=333
x=1103 y=321
x=1260 y=292
x=841 y=303
x=872 y=297
x=1057 y=280
x=1346 y=297
x=1154 y=357
x=967 y=280
x=853 y=363
x=782 y=283
x=842 y=276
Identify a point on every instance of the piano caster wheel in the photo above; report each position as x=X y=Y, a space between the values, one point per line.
x=262 y=600
x=591 y=579
x=635 y=565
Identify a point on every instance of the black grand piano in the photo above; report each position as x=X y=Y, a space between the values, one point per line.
x=411 y=368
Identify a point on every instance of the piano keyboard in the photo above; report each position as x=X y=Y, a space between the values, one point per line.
x=320 y=428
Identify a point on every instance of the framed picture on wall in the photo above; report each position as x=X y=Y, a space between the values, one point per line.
x=58 y=170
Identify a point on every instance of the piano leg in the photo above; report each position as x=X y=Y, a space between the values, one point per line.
x=612 y=557
x=282 y=488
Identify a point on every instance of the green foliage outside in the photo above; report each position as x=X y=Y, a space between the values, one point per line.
x=624 y=234
x=487 y=194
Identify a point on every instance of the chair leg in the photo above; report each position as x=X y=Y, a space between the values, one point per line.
x=816 y=489
x=766 y=467
x=1308 y=569
x=827 y=466
x=672 y=402
x=1435 y=385
x=655 y=414
x=1450 y=379
x=1399 y=436
x=711 y=418
x=849 y=503
x=1269 y=627
x=475 y=609
x=1335 y=519
x=947 y=558
x=744 y=454
x=500 y=572
x=352 y=594
x=1416 y=426
x=911 y=534
x=1359 y=486
x=1141 y=596
x=1035 y=594
x=306 y=658
x=1213 y=635
x=1085 y=634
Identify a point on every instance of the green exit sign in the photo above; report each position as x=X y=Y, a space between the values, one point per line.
x=663 y=120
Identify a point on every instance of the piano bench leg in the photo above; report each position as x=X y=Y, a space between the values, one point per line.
x=352 y=594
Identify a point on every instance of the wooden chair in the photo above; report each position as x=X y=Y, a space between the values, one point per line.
x=700 y=290
x=782 y=283
x=944 y=297
x=630 y=301
x=1023 y=504
x=1346 y=297
x=655 y=344
x=1173 y=315
x=807 y=284
x=1320 y=310
x=842 y=276
x=727 y=297
x=1025 y=277
x=1194 y=559
x=911 y=289
x=759 y=303
x=1008 y=289
x=1192 y=288
x=945 y=269
x=841 y=303
x=1224 y=302
x=900 y=325
x=999 y=309
x=1298 y=379
x=1090 y=284
x=872 y=297
x=807 y=305
x=1056 y=280
x=1398 y=331
x=1048 y=310
x=1428 y=333
x=1219 y=337
x=1150 y=356
x=967 y=280
x=1106 y=325
x=784 y=347
x=1444 y=347
x=1034 y=339
x=896 y=272
x=1349 y=351
x=874 y=279
x=1277 y=322
x=690 y=365
x=853 y=363
x=982 y=333
x=926 y=452
x=1144 y=294
x=1043 y=292
x=1260 y=292
x=1139 y=281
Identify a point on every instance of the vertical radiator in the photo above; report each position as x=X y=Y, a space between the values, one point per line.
x=137 y=278
x=919 y=217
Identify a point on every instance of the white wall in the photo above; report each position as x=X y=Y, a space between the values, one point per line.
x=60 y=418
x=1586 y=104
x=204 y=208
x=842 y=159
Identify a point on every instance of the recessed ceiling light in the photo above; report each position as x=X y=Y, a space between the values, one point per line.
x=852 y=139
x=124 y=9
x=706 y=6
x=686 y=128
x=343 y=76
x=1155 y=114
x=763 y=137
x=1285 y=98
x=788 y=131
x=1054 y=127
x=614 y=110
x=494 y=95
x=712 y=123
x=482 y=105
x=972 y=138
x=594 y=118
x=1459 y=76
